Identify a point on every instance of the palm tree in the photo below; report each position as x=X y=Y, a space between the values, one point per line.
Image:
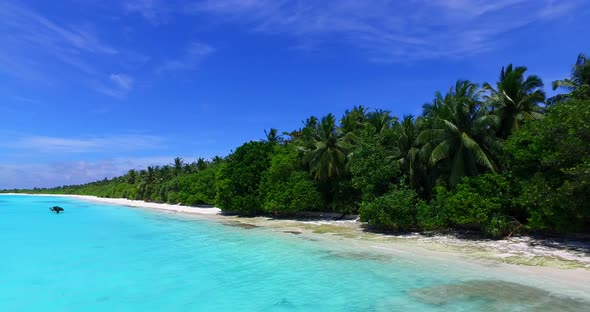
x=217 y=160
x=311 y=122
x=150 y=176
x=131 y=176
x=201 y=164
x=272 y=136
x=515 y=99
x=325 y=149
x=380 y=120
x=578 y=85
x=354 y=120
x=178 y=164
x=163 y=173
x=407 y=151
x=461 y=133
x=146 y=182
x=188 y=168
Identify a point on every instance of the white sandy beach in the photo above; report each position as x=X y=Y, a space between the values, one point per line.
x=137 y=203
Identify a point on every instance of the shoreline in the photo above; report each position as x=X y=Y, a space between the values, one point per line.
x=520 y=250
x=134 y=203
x=522 y=260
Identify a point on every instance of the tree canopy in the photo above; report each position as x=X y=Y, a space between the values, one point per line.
x=494 y=158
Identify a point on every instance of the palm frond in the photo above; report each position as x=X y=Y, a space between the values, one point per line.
x=440 y=152
x=450 y=126
x=480 y=156
x=429 y=135
x=566 y=84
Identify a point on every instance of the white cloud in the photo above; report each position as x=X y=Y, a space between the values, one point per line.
x=41 y=32
x=36 y=48
x=391 y=30
x=113 y=143
x=193 y=55
x=122 y=81
x=29 y=175
x=117 y=85
x=40 y=161
x=154 y=11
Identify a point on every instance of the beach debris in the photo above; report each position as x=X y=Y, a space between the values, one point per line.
x=56 y=209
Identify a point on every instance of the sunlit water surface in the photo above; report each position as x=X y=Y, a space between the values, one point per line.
x=98 y=257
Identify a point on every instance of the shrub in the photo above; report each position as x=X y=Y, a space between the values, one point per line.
x=345 y=197
x=432 y=216
x=500 y=226
x=198 y=188
x=238 y=179
x=396 y=210
x=373 y=168
x=551 y=159
x=481 y=203
x=286 y=188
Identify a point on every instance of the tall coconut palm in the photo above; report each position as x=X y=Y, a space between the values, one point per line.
x=150 y=176
x=272 y=136
x=578 y=85
x=178 y=164
x=146 y=183
x=325 y=149
x=380 y=120
x=131 y=176
x=201 y=164
x=311 y=122
x=188 y=168
x=297 y=135
x=163 y=173
x=408 y=151
x=461 y=134
x=217 y=160
x=354 y=120
x=515 y=99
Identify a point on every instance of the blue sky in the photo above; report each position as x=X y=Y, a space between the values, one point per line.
x=90 y=89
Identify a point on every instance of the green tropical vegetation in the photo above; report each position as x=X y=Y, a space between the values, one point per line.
x=498 y=158
x=578 y=85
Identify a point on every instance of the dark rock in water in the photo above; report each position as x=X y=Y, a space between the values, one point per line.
x=292 y=232
x=498 y=296
x=284 y=303
x=56 y=209
x=241 y=225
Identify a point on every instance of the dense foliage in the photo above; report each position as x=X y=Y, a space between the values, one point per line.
x=552 y=160
x=396 y=210
x=239 y=178
x=495 y=158
x=287 y=187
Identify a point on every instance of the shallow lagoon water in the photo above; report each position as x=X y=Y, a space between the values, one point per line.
x=98 y=257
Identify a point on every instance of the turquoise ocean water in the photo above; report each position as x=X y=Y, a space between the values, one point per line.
x=108 y=258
